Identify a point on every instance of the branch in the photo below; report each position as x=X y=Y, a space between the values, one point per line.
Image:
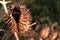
x=33 y=23
x=16 y=36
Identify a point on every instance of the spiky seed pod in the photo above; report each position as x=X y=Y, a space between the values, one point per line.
x=54 y=31
x=13 y=19
x=11 y=24
x=25 y=20
x=45 y=31
x=53 y=36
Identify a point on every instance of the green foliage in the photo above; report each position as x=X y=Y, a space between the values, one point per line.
x=42 y=8
x=0 y=5
x=2 y=23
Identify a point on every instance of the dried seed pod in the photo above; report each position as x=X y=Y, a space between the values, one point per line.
x=45 y=31
x=24 y=20
x=53 y=36
x=13 y=19
x=54 y=31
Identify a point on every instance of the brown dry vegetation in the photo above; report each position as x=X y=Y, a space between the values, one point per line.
x=24 y=26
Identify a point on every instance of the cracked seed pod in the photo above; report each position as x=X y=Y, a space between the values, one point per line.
x=11 y=24
x=13 y=19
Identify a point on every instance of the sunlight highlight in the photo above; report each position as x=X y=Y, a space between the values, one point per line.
x=4 y=5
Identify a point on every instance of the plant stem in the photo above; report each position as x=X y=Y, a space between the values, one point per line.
x=16 y=35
